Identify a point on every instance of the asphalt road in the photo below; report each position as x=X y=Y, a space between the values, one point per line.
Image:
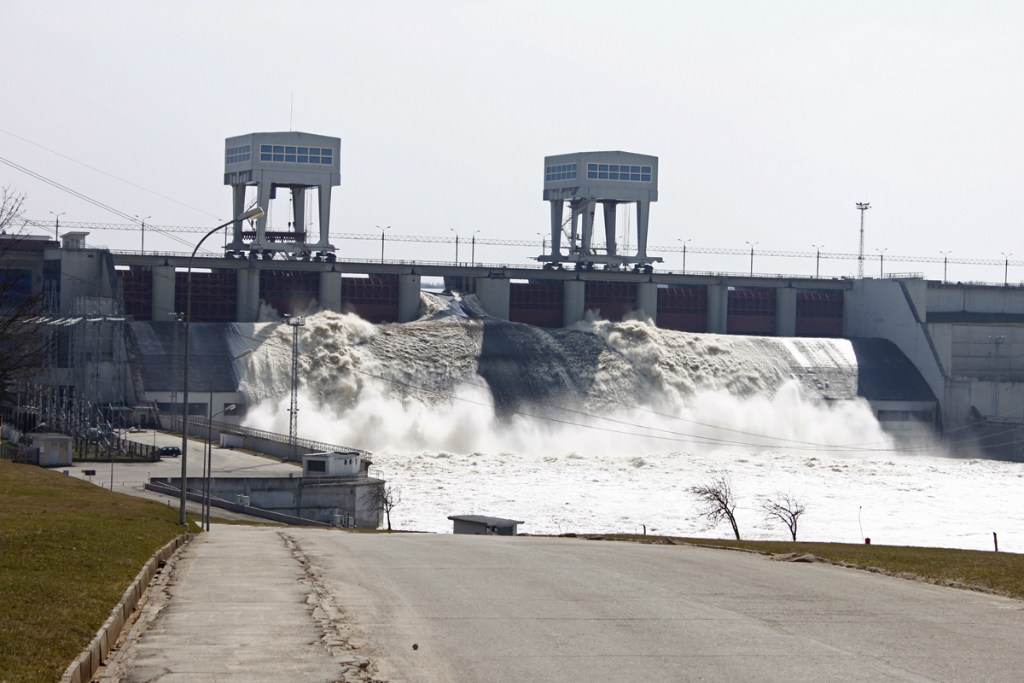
x=130 y=477
x=503 y=610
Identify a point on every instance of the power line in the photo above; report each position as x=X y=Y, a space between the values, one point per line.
x=79 y=195
x=111 y=175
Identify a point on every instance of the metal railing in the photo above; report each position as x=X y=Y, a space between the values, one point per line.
x=226 y=427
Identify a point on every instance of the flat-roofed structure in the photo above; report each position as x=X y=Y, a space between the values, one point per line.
x=484 y=526
x=584 y=179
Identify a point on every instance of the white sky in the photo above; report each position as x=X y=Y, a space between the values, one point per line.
x=770 y=119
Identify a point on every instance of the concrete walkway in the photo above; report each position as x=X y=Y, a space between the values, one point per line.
x=261 y=604
x=241 y=609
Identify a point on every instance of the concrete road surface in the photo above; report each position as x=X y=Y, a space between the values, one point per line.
x=130 y=477
x=503 y=610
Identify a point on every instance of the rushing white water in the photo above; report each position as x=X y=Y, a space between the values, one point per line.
x=604 y=427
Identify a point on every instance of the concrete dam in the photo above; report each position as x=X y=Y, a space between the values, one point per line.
x=950 y=356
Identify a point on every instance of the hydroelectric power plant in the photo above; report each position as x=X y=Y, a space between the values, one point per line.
x=593 y=353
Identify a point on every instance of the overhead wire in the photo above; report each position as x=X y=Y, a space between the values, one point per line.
x=110 y=175
x=83 y=197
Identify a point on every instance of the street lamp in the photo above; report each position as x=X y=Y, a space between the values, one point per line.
x=456 y=245
x=56 y=225
x=253 y=213
x=382 y=241
x=1006 y=268
x=881 y=261
x=208 y=458
x=142 y=222
x=473 y=255
x=543 y=242
x=684 y=253
x=752 y=245
x=817 y=259
x=945 y=261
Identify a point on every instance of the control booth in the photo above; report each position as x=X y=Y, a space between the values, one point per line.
x=300 y=162
x=584 y=180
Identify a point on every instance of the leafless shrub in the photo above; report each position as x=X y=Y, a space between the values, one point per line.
x=786 y=508
x=386 y=497
x=22 y=342
x=717 y=501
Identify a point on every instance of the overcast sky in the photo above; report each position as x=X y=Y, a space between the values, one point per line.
x=770 y=119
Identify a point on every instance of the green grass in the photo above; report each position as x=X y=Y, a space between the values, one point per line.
x=68 y=550
x=1001 y=572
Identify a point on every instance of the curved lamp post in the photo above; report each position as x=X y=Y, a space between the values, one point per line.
x=248 y=215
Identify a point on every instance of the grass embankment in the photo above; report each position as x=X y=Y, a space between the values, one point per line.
x=68 y=550
x=1002 y=572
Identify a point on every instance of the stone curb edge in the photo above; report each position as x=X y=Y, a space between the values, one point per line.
x=84 y=666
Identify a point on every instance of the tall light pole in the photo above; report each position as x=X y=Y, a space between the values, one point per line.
x=684 y=252
x=208 y=461
x=293 y=418
x=543 y=242
x=473 y=257
x=862 y=207
x=1006 y=268
x=56 y=224
x=208 y=468
x=945 y=262
x=255 y=212
x=752 y=245
x=382 y=241
x=456 y=245
x=881 y=261
x=142 y=222
x=817 y=259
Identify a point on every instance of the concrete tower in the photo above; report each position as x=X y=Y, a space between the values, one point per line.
x=585 y=179
x=297 y=161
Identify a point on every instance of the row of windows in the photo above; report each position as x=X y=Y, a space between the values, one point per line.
x=237 y=155
x=297 y=155
x=617 y=172
x=561 y=172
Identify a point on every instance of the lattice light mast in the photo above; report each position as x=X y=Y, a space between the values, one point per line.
x=862 y=207
x=293 y=411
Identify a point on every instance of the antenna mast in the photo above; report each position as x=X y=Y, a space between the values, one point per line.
x=862 y=207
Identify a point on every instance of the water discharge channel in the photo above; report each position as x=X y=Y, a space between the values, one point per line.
x=602 y=427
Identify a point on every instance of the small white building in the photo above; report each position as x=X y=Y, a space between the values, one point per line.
x=54 y=450
x=485 y=526
x=337 y=464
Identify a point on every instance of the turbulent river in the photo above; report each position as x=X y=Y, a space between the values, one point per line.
x=604 y=427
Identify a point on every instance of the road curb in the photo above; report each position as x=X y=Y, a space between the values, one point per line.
x=84 y=666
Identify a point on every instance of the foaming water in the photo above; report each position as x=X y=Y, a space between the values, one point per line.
x=603 y=427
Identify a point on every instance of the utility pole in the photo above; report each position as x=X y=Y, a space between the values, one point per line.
x=142 y=221
x=752 y=245
x=945 y=262
x=456 y=245
x=473 y=256
x=862 y=207
x=382 y=241
x=817 y=259
x=881 y=261
x=293 y=420
x=684 y=252
x=56 y=226
x=1006 y=268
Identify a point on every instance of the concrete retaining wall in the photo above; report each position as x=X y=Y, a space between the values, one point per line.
x=82 y=669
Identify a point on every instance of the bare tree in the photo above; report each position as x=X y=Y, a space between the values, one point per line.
x=717 y=501
x=386 y=497
x=22 y=342
x=786 y=508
